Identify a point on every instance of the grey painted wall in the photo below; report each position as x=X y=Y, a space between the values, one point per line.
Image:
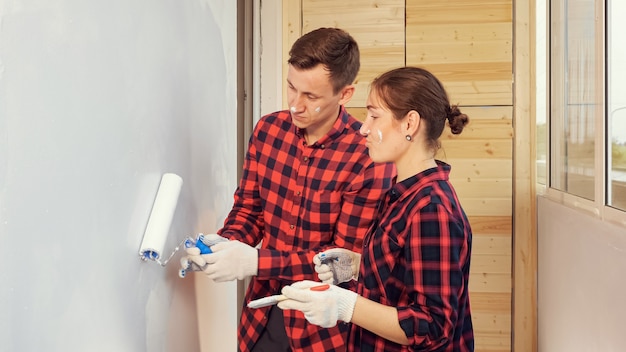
x=581 y=285
x=97 y=100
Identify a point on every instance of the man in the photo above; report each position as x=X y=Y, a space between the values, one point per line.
x=308 y=185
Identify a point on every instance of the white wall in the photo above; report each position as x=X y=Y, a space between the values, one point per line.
x=97 y=100
x=581 y=281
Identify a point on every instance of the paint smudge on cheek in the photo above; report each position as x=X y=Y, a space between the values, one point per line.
x=380 y=136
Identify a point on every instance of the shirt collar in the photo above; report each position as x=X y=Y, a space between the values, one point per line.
x=338 y=128
x=415 y=182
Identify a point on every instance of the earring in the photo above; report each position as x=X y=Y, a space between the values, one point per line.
x=408 y=137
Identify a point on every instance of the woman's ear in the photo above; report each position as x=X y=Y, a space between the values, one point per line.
x=412 y=122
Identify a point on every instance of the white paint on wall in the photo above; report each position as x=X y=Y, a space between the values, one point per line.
x=97 y=100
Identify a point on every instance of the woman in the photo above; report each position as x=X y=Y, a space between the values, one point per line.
x=412 y=292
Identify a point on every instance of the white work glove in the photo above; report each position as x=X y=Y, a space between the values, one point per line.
x=323 y=308
x=337 y=265
x=193 y=261
x=230 y=260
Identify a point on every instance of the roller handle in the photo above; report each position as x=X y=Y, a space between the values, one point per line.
x=204 y=249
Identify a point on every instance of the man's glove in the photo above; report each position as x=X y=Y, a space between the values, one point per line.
x=230 y=260
x=193 y=261
x=337 y=265
x=323 y=308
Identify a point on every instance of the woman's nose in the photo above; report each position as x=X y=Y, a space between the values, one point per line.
x=364 y=130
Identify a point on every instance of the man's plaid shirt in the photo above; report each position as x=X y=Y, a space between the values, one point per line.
x=299 y=200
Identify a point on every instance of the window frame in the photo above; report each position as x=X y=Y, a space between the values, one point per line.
x=598 y=207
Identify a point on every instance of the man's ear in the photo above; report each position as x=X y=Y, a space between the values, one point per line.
x=346 y=94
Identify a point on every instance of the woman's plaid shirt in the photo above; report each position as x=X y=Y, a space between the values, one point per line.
x=299 y=200
x=417 y=259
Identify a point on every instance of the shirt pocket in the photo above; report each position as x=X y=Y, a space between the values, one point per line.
x=320 y=214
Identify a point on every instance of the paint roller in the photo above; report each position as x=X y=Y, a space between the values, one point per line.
x=159 y=223
x=160 y=219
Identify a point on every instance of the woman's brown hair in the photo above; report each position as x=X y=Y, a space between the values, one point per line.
x=412 y=88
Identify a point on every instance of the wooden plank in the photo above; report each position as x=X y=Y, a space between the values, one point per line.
x=491 y=302
x=488 y=112
x=493 y=188
x=489 y=149
x=525 y=226
x=492 y=322
x=461 y=34
x=480 y=169
x=491 y=245
x=458 y=11
x=487 y=206
x=489 y=282
x=463 y=71
x=491 y=263
x=491 y=342
x=480 y=92
x=492 y=225
x=460 y=43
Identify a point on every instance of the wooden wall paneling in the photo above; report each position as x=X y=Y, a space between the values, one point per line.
x=481 y=161
x=378 y=27
x=467 y=44
x=472 y=148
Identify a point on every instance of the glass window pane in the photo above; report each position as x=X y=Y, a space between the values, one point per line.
x=616 y=73
x=576 y=97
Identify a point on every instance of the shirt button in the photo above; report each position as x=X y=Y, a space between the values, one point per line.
x=297 y=193
x=306 y=158
x=322 y=146
x=292 y=227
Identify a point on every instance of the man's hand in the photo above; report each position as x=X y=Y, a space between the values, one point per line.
x=193 y=261
x=230 y=260
x=337 y=265
x=323 y=308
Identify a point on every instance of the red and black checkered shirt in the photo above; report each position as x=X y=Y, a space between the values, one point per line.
x=417 y=258
x=299 y=200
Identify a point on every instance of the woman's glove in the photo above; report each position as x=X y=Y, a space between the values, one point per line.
x=323 y=308
x=337 y=265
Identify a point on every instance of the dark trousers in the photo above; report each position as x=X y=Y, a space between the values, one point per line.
x=274 y=338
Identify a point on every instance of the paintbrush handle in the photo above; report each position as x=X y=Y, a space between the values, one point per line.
x=271 y=300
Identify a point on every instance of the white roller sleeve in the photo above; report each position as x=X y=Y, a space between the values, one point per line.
x=163 y=209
